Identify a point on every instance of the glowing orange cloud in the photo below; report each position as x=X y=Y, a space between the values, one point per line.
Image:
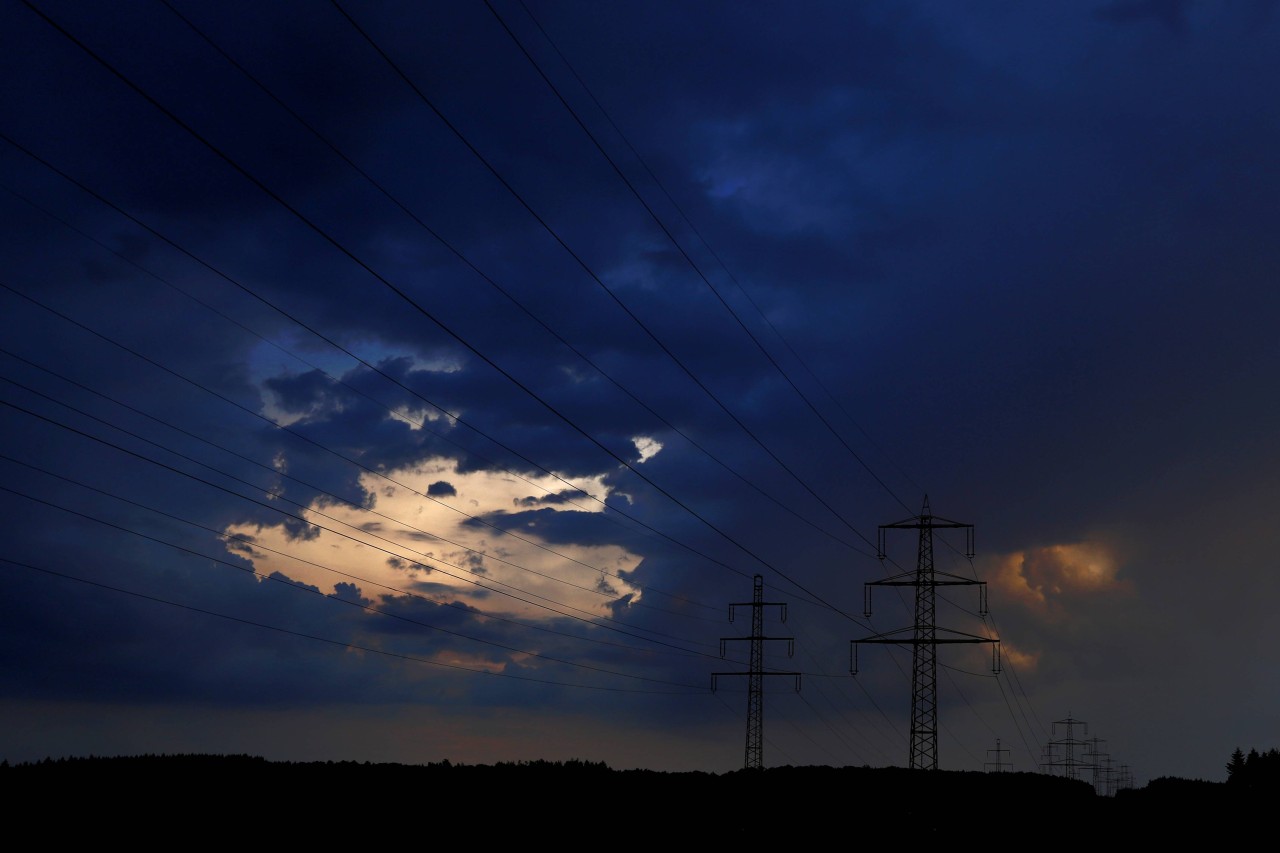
x=1023 y=661
x=1040 y=578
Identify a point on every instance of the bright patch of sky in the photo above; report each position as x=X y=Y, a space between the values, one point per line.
x=408 y=543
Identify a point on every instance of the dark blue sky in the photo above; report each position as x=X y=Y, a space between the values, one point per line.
x=403 y=381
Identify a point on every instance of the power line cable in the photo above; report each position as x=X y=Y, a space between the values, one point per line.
x=419 y=308
x=417 y=423
x=688 y=221
x=339 y=643
x=257 y=415
x=311 y=590
x=451 y=416
x=665 y=647
x=661 y=225
x=583 y=264
x=498 y=585
x=306 y=507
x=251 y=543
x=336 y=498
x=506 y=293
x=1017 y=726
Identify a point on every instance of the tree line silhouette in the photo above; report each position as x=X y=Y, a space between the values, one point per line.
x=1254 y=770
x=178 y=791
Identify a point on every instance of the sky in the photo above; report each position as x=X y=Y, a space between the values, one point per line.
x=410 y=382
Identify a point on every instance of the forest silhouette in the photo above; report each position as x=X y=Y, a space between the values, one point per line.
x=212 y=795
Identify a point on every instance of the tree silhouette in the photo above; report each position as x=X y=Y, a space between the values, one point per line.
x=1235 y=766
x=1255 y=771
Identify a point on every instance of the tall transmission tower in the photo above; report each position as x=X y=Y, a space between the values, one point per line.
x=756 y=674
x=924 y=634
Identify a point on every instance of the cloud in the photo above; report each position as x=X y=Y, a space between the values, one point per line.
x=1020 y=659
x=647 y=447
x=350 y=592
x=1172 y=13
x=877 y=180
x=563 y=562
x=1045 y=579
x=441 y=487
x=564 y=496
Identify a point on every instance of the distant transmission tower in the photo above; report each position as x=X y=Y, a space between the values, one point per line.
x=1106 y=777
x=755 y=681
x=924 y=638
x=1062 y=753
x=997 y=766
x=1100 y=763
x=1124 y=778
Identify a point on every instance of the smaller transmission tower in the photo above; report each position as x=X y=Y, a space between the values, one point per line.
x=1100 y=763
x=756 y=674
x=1124 y=778
x=1062 y=753
x=999 y=765
x=1105 y=778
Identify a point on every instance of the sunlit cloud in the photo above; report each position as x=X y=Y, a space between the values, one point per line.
x=647 y=447
x=1040 y=579
x=429 y=537
x=1020 y=659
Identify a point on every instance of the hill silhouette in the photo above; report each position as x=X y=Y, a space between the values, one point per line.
x=222 y=796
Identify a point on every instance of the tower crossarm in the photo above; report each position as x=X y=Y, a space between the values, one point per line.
x=939 y=579
x=909 y=637
x=933 y=580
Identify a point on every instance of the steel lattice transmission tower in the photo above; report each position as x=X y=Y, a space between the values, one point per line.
x=997 y=766
x=924 y=636
x=1070 y=765
x=1100 y=763
x=756 y=674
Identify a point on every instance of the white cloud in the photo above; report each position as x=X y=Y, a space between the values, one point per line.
x=647 y=447
x=412 y=539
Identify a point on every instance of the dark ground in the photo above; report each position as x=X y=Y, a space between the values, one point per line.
x=205 y=798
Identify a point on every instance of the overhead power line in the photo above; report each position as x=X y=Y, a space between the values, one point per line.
x=666 y=231
x=703 y=240
x=305 y=636
x=418 y=307
x=251 y=542
x=596 y=278
x=277 y=496
x=249 y=291
x=506 y=294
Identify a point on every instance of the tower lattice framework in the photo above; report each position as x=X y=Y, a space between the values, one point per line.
x=924 y=636
x=756 y=672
